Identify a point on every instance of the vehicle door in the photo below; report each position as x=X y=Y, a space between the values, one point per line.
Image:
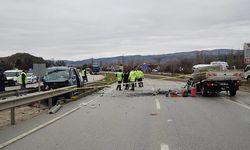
x=79 y=79
x=73 y=77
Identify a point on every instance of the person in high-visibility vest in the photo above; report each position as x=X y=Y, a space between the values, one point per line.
x=23 y=80
x=132 y=77
x=119 y=77
x=84 y=75
x=140 y=76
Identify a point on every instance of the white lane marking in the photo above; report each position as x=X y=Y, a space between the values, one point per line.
x=85 y=104
x=19 y=137
x=36 y=129
x=158 y=106
x=237 y=103
x=164 y=146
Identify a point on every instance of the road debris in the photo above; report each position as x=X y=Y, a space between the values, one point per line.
x=54 y=109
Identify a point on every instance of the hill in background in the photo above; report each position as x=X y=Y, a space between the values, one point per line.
x=167 y=62
x=164 y=58
x=22 y=61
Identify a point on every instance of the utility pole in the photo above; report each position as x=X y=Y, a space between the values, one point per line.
x=122 y=60
x=92 y=61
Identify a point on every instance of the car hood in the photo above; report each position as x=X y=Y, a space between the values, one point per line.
x=50 y=81
x=11 y=78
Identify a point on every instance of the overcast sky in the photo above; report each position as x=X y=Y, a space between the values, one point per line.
x=80 y=29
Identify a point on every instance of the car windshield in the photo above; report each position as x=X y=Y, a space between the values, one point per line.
x=29 y=74
x=11 y=74
x=56 y=74
x=247 y=68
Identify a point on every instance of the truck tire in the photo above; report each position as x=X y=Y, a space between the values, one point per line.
x=203 y=91
x=232 y=92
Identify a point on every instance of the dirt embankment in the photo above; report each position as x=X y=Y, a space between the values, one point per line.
x=21 y=113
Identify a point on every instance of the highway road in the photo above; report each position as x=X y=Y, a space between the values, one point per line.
x=137 y=120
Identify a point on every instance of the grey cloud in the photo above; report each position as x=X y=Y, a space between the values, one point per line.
x=82 y=29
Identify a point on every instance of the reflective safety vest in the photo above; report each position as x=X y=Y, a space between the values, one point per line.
x=119 y=76
x=140 y=74
x=137 y=74
x=83 y=73
x=25 y=78
x=132 y=76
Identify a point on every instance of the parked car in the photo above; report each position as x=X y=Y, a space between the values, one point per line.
x=57 y=77
x=247 y=72
x=12 y=77
x=31 y=78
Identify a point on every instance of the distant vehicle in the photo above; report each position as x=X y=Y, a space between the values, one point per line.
x=12 y=77
x=195 y=67
x=155 y=70
x=31 y=78
x=247 y=72
x=211 y=79
x=223 y=65
x=95 y=68
x=57 y=77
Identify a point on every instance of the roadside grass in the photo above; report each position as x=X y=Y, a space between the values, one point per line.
x=109 y=77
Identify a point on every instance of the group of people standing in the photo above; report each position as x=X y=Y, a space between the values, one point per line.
x=129 y=78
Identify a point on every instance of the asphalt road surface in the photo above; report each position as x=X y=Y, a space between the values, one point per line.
x=136 y=120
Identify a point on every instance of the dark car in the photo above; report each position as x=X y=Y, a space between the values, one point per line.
x=57 y=77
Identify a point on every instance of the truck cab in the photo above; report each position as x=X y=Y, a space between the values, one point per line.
x=247 y=72
x=95 y=68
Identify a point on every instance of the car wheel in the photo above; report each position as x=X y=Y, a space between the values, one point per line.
x=232 y=92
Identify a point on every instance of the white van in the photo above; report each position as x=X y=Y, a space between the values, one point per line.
x=224 y=65
x=247 y=72
x=12 y=76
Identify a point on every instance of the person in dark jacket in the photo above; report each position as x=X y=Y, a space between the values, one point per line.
x=125 y=79
x=2 y=80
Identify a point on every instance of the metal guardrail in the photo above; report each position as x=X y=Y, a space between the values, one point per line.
x=34 y=97
x=16 y=92
x=13 y=102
